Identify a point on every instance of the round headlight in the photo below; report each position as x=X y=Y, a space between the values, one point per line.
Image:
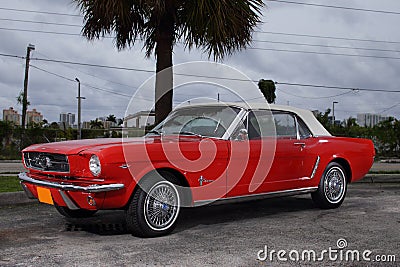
x=94 y=165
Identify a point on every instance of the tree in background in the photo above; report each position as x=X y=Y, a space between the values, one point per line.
x=219 y=27
x=96 y=124
x=111 y=118
x=324 y=118
x=388 y=136
x=20 y=99
x=267 y=88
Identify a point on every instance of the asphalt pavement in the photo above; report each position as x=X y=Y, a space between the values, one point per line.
x=226 y=235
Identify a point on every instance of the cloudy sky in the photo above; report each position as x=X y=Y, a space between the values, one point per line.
x=296 y=44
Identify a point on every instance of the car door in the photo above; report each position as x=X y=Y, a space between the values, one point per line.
x=294 y=154
x=275 y=157
x=251 y=157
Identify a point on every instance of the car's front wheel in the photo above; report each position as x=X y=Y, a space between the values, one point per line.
x=81 y=213
x=154 y=207
x=332 y=187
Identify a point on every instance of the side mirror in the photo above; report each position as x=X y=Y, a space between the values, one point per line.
x=242 y=136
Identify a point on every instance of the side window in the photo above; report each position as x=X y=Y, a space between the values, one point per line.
x=285 y=125
x=304 y=132
x=261 y=124
x=258 y=123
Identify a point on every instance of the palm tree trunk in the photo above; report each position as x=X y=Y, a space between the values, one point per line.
x=164 y=76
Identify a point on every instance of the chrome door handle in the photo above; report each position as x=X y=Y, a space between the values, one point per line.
x=300 y=144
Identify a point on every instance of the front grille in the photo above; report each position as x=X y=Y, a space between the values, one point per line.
x=46 y=161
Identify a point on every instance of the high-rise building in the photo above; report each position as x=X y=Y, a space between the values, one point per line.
x=12 y=116
x=67 y=119
x=33 y=116
x=369 y=119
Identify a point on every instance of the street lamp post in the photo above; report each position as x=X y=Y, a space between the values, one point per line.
x=333 y=112
x=79 y=109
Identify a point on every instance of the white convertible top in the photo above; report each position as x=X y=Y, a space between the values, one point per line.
x=306 y=115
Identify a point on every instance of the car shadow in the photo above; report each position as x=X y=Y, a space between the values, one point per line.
x=219 y=214
x=113 y=222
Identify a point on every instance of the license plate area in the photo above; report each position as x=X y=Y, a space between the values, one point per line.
x=44 y=195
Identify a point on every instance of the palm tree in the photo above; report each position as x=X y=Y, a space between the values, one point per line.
x=111 y=118
x=96 y=124
x=219 y=27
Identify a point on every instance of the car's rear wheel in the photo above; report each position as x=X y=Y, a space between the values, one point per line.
x=154 y=207
x=332 y=187
x=81 y=213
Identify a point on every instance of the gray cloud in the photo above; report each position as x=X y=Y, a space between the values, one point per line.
x=52 y=95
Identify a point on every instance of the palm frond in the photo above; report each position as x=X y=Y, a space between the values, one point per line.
x=219 y=27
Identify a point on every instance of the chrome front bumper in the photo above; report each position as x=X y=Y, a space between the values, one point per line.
x=69 y=187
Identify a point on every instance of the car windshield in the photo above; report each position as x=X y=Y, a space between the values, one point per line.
x=208 y=121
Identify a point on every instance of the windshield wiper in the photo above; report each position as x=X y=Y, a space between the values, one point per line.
x=154 y=132
x=189 y=133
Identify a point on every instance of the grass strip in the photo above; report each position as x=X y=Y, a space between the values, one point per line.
x=9 y=184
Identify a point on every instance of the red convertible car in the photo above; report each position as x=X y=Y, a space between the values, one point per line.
x=200 y=154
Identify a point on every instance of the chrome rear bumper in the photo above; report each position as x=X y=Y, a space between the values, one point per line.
x=69 y=187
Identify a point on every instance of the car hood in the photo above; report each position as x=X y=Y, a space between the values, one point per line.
x=77 y=146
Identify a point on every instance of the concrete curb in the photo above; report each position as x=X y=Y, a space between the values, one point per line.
x=11 y=161
x=15 y=198
x=381 y=178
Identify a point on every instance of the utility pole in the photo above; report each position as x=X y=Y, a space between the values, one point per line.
x=79 y=109
x=333 y=112
x=30 y=48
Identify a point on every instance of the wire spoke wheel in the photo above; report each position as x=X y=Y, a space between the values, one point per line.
x=161 y=206
x=332 y=187
x=334 y=184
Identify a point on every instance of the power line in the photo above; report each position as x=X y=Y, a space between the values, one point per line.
x=39 y=12
x=52 y=73
x=320 y=97
x=12 y=56
x=338 y=7
x=250 y=48
x=387 y=109
x=265 y=32
x=321 y=53
x=39 y=31
x=86 y=84
x=92 y=75
x=327 y=46
x=41 y=22
x=211 y=77
x=92 y=65
x=338 y=87
x=329 y=37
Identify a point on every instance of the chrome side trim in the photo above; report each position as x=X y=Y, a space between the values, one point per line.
x=315 y=167
x=70 y=204
x=27 y=191
x=283 y=193
x=69 y=187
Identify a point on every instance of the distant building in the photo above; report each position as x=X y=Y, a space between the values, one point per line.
x=33 y=116
x=109 y=124
x=86 y=125
x=11 y=115
x=369 y=119
x=140 y=119
x=67 y=120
